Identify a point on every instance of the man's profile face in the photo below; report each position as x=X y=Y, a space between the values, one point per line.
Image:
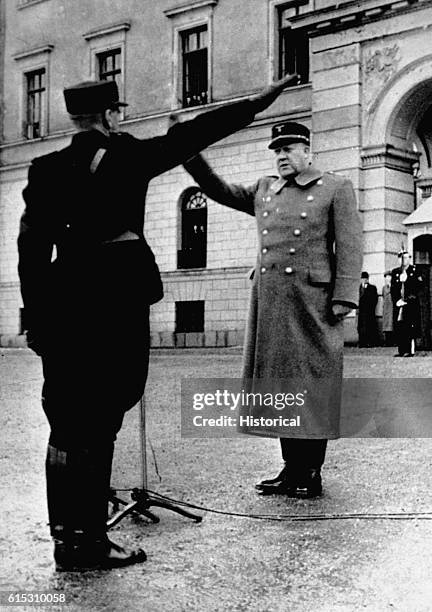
x=387 y=279
x=291 y=159
x=405 y=260
x=112 y=117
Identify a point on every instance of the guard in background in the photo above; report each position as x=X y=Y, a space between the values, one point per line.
x=87 y=311
x=387 y=310
x=366 y=322
x=406 y=283
x=305 y=282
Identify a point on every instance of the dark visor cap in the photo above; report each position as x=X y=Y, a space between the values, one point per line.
x=288 y=133
x=91 y=97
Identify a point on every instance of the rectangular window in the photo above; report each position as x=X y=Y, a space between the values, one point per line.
x=35 y=100
x=109 y=66
x=189 y=316
x=293 y=44
x=195 y=67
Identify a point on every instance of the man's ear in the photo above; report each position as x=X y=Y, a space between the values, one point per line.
x=107 y=115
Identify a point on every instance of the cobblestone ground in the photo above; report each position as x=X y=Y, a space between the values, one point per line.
x=228 y=563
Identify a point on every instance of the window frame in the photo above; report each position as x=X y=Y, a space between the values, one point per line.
x=189 y=17
x=42 y=90
x=105 y=40
x=276 y=7
x=185 y=55
x=30 y=61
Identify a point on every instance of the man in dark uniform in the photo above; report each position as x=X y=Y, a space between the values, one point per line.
x=88 y=201
x=305 y=282
x=406 y=283
x=366 y=322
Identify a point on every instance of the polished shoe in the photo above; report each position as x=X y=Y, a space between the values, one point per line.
x=309 y=485
x=282 y=484
x=92 y=555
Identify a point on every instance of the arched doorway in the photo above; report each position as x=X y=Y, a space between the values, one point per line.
x=397 y=160
x=193 y=230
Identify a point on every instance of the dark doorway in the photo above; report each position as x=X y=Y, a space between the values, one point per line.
x=193 y=252
x=189 y=316
x=423 y=259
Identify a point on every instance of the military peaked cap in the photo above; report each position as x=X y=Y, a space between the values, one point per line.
x=91 y=97
x=287 y=133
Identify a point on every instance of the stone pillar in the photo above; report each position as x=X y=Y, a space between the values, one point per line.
x=336 y=96
x=388 y=198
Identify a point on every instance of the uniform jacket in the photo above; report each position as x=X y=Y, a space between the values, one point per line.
x=299 y=224
x=411 y=289
x=309 y=256
x=74 y=209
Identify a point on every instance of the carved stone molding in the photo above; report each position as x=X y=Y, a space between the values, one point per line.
x=388 y=156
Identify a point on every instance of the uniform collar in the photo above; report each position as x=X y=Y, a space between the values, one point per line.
x=90 y=139
x=305 y=178
x=308 y=176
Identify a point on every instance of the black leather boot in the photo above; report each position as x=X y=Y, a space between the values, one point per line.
x=78 y=483
x=311 y=456
x=282 y=484
x=78 y=552
x=310 y=484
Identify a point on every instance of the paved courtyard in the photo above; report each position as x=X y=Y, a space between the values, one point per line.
x=228 y=562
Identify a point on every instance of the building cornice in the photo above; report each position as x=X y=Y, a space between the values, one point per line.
x=354 y=14
x=31 y=52
x=123 y=26
x=388 y=156
x=190 y=6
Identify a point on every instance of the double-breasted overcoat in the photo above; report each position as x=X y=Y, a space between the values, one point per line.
x=309 y=257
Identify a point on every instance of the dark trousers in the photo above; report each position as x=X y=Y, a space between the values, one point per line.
x=303 y=454
x=404 y=337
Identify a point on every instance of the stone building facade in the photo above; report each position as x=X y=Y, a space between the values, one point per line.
x=365 y=91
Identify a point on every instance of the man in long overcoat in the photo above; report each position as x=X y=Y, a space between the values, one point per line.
x=406 y=283
x=305 y=282
x=87 y=311
x=387 y=313
x=366 y=322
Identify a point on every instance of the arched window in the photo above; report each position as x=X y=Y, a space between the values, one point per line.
x=193 y=236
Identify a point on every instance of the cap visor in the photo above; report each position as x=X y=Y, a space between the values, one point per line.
x=285 y=140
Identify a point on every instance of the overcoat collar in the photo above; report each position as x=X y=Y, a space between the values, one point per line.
x=305 y=178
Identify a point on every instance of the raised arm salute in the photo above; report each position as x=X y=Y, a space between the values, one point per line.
x=87 y=311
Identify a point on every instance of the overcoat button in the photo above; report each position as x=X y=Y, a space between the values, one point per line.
x=265 y=232
x=289 y=270
x=263 y=270
x=265 y=213
x=264 y=250
x=268 y=199
x=303 y=215
x=297 y=232
x=319 y=182
x=292 y=250
x=310 y=198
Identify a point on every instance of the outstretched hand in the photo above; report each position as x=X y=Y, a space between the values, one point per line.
x=270 y=93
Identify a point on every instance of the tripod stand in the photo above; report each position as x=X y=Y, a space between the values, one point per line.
x=142 y=500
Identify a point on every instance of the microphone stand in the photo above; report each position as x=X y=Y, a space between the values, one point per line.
x=142 y=500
